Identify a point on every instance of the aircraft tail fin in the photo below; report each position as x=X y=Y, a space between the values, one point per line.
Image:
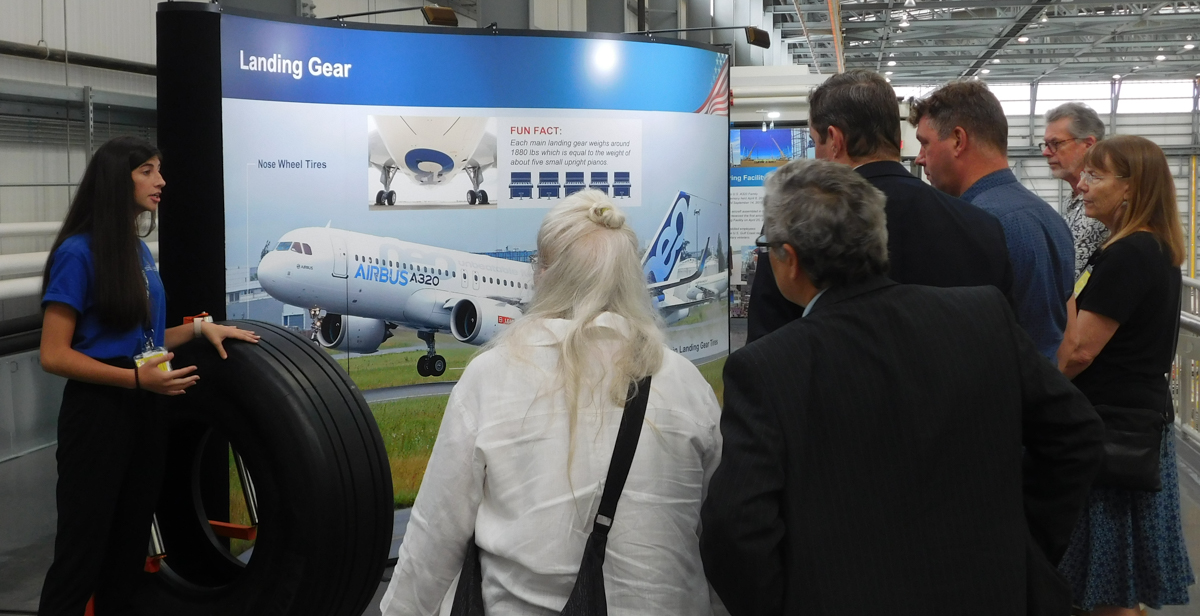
x=663 y=251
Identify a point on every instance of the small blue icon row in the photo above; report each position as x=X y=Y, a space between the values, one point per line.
x=548 y=186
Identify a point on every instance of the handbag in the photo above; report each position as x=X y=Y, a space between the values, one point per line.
x=587 y=597
x=1132 y=442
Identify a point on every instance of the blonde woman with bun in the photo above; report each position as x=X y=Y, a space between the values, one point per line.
x=529 y=431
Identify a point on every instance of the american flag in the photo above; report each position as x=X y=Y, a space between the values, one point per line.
x=717 y=102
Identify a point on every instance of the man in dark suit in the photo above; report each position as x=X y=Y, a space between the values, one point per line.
x=933 y=239
x=898 y=449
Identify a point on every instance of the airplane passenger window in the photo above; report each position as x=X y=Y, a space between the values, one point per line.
x=356 y=258
x=504 y=282
x=307 y=249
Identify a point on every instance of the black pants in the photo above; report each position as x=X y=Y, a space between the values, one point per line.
x=110 y=466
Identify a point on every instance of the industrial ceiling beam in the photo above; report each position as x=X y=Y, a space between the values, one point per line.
x=974 y=4
x=835 y=20
x=1150 y=11
x=812 y=51
x=887 y=34
x=975 y=22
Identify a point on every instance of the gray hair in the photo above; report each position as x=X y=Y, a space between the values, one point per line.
x=1084 y=120
x=832 y=217
x=588 y=264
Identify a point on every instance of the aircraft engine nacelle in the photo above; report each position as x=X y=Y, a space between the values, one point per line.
x=361 y=334
x=477 y=323
x=675 y=316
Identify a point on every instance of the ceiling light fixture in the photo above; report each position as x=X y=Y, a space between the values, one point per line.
x=1160 y=58
x=1044 y=19
x=986 y=71
x=904 y=21
x=1116 y=76
x=1189 y=47
x=772 y=115
x=1022 y=39
x=908 y=4
x=995 y=60
x=891 y=63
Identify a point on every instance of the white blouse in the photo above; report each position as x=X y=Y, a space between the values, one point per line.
x=503 y=468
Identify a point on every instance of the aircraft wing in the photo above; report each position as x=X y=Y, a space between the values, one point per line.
x=511 y=301
x=681 y=304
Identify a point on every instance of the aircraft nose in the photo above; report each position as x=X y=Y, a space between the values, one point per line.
x=270 y=272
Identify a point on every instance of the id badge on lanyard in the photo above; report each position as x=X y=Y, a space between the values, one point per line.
x=149 y=349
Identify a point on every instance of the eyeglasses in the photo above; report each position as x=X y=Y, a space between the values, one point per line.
x=1089 y=178
x=762 y=243
x=1053 y=145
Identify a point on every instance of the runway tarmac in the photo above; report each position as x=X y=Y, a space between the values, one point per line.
x=418 y=390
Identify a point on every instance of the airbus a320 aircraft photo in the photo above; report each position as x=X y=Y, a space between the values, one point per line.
x=367 y=285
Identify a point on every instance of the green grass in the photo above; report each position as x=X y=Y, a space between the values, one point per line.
x=712 y=373
x=409 y=428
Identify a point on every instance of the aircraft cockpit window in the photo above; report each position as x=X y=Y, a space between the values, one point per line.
x=296 y=248
x=307 y=249
x=284 y=246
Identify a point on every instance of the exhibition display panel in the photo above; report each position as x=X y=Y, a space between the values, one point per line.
x=373 y=193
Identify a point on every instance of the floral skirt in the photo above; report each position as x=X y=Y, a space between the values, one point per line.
x=1128 y=546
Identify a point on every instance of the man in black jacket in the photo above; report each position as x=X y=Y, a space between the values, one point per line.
x=898 y=449
x=933 y=239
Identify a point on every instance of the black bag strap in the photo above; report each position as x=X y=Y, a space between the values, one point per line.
x=622 y=458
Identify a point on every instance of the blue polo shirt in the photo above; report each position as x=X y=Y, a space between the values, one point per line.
x=73 y=282
x=1042 y=252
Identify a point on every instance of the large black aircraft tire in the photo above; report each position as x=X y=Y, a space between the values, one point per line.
x=313 y=450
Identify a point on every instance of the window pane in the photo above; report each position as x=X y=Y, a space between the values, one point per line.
x=307 y=249
x=284 y=246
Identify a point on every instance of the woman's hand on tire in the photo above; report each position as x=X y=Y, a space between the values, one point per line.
x=170 y=383
x=216 y=333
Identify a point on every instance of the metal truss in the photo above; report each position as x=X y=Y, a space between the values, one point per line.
x=1000 y=40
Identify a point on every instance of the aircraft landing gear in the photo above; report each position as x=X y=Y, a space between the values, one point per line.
x=387 y=196
x=475 y=195
x=430 y=364
x=314 y=315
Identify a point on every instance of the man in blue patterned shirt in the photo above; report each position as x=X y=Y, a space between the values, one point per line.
x=1071 y=130
x=964 y=150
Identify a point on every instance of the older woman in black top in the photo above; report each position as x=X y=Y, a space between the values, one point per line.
x=1120 y=341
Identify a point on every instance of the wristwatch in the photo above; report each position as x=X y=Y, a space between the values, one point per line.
x=196 y=322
